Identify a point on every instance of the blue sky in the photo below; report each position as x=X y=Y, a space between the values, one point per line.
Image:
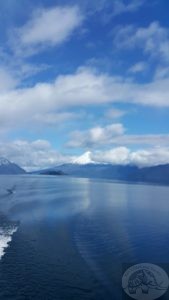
x=79 y=76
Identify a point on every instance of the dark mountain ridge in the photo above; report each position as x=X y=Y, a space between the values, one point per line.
x=9 y=168
x=128 y=173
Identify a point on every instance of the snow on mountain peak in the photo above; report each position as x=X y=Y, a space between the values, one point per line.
x=4 y=161
x=84 y=159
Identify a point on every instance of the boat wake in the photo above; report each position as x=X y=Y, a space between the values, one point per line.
x=7 y=229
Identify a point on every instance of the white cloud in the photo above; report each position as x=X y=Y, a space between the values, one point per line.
x=120 y=6
x=119 y=155
x=162 y=72
x=85 y=87
x=114 y=134
x=115 y=113
x=47 y=27
x=153 y=40
x=142 y=139
x=139 y=67
x=142 y=158
x=52 y=119
x=115 y=7
x=96 y=136
x=150 y=157
x=7 y=80
x=40 y=154
x=34 y=155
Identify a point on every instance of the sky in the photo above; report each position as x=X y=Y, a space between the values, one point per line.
x=82 y=75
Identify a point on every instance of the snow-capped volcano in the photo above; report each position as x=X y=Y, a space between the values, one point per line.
x=84 y=159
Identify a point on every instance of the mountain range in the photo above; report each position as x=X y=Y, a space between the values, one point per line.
x=9 y=168
x=157 y=174
x=86 y=168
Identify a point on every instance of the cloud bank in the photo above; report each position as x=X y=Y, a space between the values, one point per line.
x=40 y=154
x=83 y=88
x=141 y=158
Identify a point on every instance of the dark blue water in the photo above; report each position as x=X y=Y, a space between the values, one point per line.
x=67 y=238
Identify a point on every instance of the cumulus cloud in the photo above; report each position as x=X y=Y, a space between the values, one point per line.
x=34 y=155
x=47 y=27
x=40 y=154
x=85 y=87
x=142 y=158
x=119 y=155
x=114 y=134
x=96 y=136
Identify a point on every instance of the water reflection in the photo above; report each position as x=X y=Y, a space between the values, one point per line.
x=35 y=200
x=79 y=232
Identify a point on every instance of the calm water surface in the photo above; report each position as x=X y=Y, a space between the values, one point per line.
x=68 y=238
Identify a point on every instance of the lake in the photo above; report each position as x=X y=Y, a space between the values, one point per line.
x=70 y=238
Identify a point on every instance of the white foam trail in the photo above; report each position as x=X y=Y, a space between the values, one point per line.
x=5 y=238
